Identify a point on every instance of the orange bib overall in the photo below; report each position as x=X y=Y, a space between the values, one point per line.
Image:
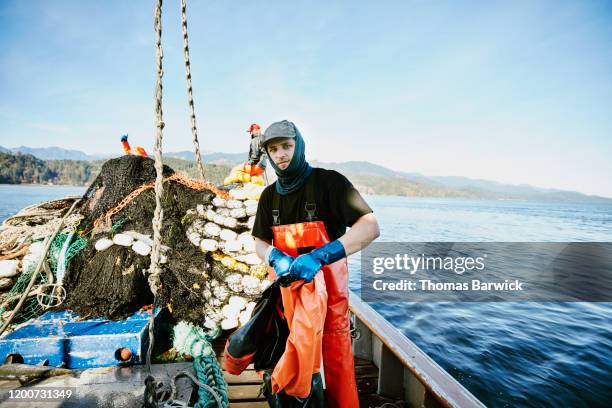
x=338 y=364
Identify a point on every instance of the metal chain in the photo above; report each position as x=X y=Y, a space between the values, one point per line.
x=194 y=130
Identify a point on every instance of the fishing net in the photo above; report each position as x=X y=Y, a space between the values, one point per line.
x=30 y=308
x=34 y=223
x=77 y=244
x=112 y=282
x=18 y=234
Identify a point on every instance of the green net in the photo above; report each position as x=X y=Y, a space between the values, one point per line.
x=118 y=224
x=77 y=245
x=31 y=307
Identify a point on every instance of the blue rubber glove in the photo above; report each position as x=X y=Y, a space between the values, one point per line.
x=306 y=266
x=280 y=261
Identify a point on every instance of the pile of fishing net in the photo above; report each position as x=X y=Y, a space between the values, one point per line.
x=210 y=273
x=108 y=277
x=98 y=263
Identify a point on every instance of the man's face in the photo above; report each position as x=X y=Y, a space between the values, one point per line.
x=281 y=151
x=256 y=132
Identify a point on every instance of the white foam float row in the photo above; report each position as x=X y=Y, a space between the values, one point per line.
x=6 y=283
x=236 y=312
x=227 y=309
x=139 y=243
x=221 y=226
x=209 y=236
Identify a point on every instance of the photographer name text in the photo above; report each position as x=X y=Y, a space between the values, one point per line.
x=427 y=285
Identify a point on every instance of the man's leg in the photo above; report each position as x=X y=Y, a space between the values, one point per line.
x=341 y=387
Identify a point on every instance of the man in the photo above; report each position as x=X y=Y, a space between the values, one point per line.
x=300 y=230
x=256 y=152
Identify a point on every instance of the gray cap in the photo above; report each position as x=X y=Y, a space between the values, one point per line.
x=279 y=130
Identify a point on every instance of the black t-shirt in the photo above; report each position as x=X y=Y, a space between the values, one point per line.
x=338 y=205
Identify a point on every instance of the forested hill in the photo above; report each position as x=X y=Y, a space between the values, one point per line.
x=25 y=169
x=367 y=177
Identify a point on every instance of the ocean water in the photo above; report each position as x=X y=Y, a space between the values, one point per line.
x=15 y=197
x=507 y=354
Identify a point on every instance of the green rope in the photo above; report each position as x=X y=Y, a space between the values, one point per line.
x=209 y=372
x=75 y=247
x=193 y=340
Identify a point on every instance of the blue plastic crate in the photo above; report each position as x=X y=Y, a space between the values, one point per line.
x=60 y=338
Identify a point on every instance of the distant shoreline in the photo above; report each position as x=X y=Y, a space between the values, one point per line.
x=493 y=199
x=41 y=185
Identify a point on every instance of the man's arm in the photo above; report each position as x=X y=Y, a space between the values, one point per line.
x=363 y=231
x=361 y=234
x=261 y=248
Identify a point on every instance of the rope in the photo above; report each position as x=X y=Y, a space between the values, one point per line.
x=18 y=252
x=209 y=373
x=220 y=401
x=48 y=242
x=212 y=387
x=158 y=215
x=60 y=270
x=193 y=340
x=194 y=130
x=209 y=370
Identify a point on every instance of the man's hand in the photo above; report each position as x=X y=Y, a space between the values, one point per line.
x=280 y=261
x=306 y=266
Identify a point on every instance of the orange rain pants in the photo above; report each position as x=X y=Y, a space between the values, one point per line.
x=304 y=307
x=339 y=370
x=252 y=169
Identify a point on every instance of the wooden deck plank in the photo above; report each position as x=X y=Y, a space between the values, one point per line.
x=361 y=362
x=366 y=371
x=244 y=392
x=244 y=388
x=249 y=404
x=246 y=377
x=375 y=400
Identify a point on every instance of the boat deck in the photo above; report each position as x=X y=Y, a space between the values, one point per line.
x=244 y=389
x=124 y=386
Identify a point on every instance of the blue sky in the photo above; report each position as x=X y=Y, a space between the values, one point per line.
x=517 y=92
